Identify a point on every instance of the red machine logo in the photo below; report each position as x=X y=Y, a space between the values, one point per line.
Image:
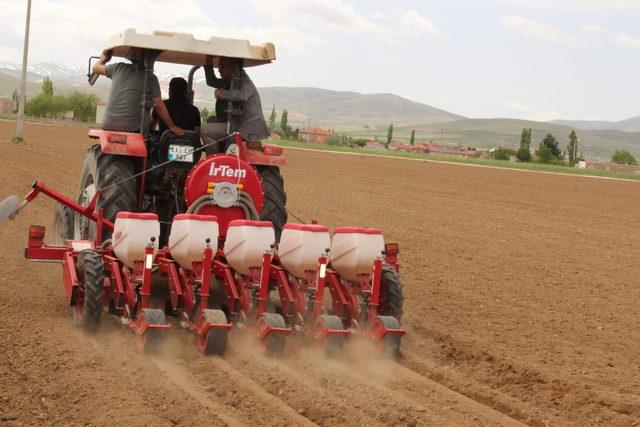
x=227 y=171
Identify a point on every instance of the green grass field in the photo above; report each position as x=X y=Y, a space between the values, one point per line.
x=539 y=167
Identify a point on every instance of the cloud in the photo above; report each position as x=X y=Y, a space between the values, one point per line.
x=593 y=29
x=78 y=34
x=339 y=16
x=285 y=37
x=539 y=30
x=606 y=4
x=334 y=15
x=626 y=40
x=378 y=16
x=575 y=5
x=414 y=24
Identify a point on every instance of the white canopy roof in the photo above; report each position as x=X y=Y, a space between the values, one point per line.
x=182 y=48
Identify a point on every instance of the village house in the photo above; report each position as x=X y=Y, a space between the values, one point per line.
x=314 y=135
x=374 y=145
x=7 y=106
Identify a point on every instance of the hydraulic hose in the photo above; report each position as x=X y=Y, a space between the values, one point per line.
x=194 y=205
x=244 y=202
x=246 y=199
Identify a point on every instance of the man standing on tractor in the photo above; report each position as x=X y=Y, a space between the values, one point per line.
x=123 y=110
x=234 y=86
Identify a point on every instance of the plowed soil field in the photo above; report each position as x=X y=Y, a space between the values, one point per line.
x=522 y=306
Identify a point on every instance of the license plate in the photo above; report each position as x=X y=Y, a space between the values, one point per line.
x=181 y=153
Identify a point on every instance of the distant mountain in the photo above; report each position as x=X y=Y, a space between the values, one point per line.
x=345 y=109
x=323 y=107
x=628 y=125
x=56 y=72
x=367 y=115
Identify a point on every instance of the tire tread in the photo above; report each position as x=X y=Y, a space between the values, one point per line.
x=92 y=271
x=275 y=198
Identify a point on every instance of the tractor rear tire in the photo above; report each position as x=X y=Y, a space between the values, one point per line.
x=215 y=340
x=107 y=172
x=63 y=218
x=275 y=198
x=87 y=309
x=391 y=289
x=274 y=341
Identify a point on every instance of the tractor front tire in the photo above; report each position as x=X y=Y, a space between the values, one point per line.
x=108 y=173
x=275 y=198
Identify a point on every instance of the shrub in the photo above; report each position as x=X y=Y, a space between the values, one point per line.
x=335 y=139
x=83 y=105
x=503 y=153
x=545 y=155
x=623 y=157
x=523 y=155
x=357 y=142
x=550 y=141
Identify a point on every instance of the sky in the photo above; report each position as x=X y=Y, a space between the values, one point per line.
x=531 y=59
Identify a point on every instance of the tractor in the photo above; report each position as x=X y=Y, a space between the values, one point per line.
x=214 y=228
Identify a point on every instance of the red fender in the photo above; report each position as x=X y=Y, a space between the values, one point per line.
x=120 y=143
x=270 y=155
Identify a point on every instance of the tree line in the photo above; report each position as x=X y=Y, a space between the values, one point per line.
x=550 y=152
x=47 y=104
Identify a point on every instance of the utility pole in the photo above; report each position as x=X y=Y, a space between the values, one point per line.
x=441 y=136
x=23 y=80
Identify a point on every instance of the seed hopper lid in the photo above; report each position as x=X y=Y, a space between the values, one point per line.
x=7 y=207
x=183 y=48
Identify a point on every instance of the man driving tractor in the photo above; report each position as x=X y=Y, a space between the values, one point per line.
x=182 y=112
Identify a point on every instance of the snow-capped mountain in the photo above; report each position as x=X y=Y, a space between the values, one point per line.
x=56 y=72
x=74 y=75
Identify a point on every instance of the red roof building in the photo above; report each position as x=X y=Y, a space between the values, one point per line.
x=314 y=135
x=376 y=145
